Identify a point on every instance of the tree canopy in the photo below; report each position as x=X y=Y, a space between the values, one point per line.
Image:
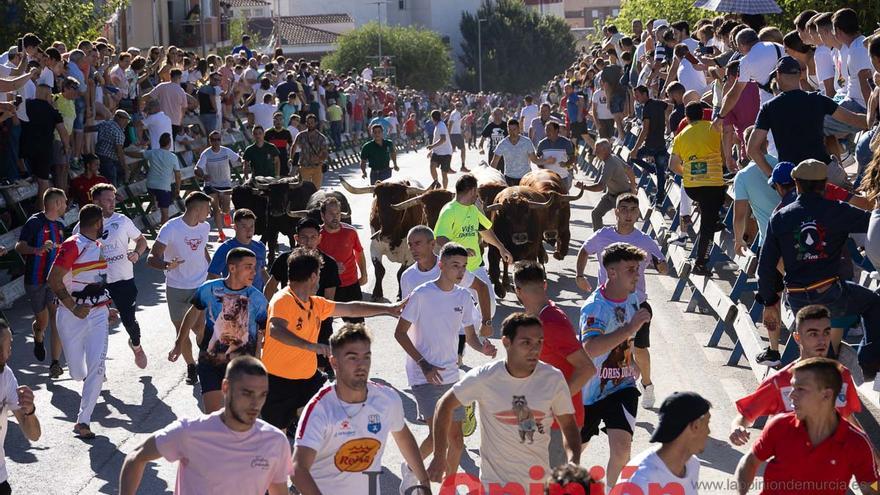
x=675 y=10
x=67 y=21
x=522 y=49
x=420 y=57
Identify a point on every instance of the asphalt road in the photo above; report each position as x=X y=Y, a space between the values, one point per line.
x=136 y=402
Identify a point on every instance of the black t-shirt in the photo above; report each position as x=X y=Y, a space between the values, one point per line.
x=495 y=133
x=655 y=112
x=676 y=117
x=328 y=279
x=42 y=119
x=284 y=89
x=796 y=119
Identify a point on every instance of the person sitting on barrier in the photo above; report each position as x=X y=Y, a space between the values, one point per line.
x=809 y=236
x=813 y=336
x=811 y=446
x=696 y=156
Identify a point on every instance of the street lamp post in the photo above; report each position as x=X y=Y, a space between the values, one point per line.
x=480 y=52
x=379 y=5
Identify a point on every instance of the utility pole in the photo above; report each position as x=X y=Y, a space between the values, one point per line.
x=379 y=5
x=480 y=52
x=202 y=26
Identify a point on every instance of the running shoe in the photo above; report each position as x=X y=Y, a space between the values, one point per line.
x=469 y=425
x=769 y=358
x=55 y=370
x=408 y=479
x=82 y=431
x=192 y=375
x=140 y=357
x=647 y=395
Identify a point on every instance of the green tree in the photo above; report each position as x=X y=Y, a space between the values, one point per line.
x=674 y=10
x=67 y=21
x=521 y=48
x=420 y=57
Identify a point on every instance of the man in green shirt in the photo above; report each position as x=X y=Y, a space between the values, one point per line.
x=261 y=158
x=334 y=116
x=378 y=153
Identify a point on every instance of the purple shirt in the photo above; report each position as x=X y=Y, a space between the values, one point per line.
x=607 y=236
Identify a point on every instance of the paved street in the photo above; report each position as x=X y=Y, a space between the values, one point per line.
x=135 y=403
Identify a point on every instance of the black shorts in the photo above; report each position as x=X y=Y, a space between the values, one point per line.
x=347 y=294
x=40 y=162
x=163 y=198
x=457 y=141
x=615 y=411
x=443 y=161
x=606 y=128
x=643 y=336
x=210 y=376
x=577 y=129
x=287 y=396
x=176 y=130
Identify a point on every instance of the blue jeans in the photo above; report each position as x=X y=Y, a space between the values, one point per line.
x=377 y=175
x=661 y=162
x=848 y=298
x=336 y=133
x=863 y=150
x=110 y=169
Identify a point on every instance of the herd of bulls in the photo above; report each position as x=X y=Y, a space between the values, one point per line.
x=523 y=216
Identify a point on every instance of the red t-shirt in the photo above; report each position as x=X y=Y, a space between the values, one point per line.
x=798 y=467
x=344 y=247
x=707 y=116
x=80 y=186
x=771 y=397
x=560 y=341
x=410 y=126
x=836 y=193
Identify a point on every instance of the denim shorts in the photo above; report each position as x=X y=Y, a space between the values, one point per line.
x=163 y=198
x=79 y=105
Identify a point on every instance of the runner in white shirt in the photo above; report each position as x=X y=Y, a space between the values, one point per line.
x=118 y=232
x=426 y=268
x=78 y=278
x=345 y=427
x=181 y=251
x=456 y=136
x=518 y=398
x=229 y=452
x=682 y=432
x=528 y=114
x=428 y=332
x=19 y=400
x=440 y=150
x=215 y=167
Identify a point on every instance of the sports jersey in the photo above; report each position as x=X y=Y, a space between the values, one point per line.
x=218 y=260
x=461 y=223
x=349 y=438
x=616 y=371
x=218 y=166
x=699 y=147
x=303 y=319
x=233 y=318
x=772 y=396
x=36 y=231
x=118 y=231
x=87 y=275
x=187 y=243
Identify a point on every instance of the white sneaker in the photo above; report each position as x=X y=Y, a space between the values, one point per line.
x=407 y=479
x=647 y=395
x=877 y=383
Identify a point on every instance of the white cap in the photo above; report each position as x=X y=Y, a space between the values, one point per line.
x=660 y=23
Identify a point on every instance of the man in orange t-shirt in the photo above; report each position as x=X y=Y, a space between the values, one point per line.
x=340 y=242
x=290 y=349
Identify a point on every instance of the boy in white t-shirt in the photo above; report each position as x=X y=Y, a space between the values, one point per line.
x=260 y=461
x=428 y=332
x=518 y=398
x=345 y=427
x=181 y=251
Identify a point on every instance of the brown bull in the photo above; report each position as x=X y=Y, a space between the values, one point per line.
x=557 y=230
x=389 y=226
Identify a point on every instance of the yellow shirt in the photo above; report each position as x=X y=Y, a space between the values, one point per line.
x=699 y=147
x=303 y=319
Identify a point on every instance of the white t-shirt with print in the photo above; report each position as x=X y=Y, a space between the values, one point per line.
x=220 y=461
x=515 y=418
x=118 y=231
x=188 y=244
x=445 y=148
x=455 y=122
x=9 y=398
x=651 y=471
x=437 y=316
x=601 y=102
x=349 y=438
x=759 y=63
x=218 y=166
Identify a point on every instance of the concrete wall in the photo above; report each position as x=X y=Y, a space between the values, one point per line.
x=153 y=32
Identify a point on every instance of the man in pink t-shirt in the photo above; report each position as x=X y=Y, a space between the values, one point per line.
x=260 y=461
x=173 y=100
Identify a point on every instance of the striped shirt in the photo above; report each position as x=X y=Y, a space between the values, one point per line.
x=35 y=233
x=87 y=275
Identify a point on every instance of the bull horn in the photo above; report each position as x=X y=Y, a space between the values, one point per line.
x=435 y=185
x=376 y=234
x=408 y=203
x=298 y=214
x=493 y=207
x=536 y=205
x=356 y=190
x=571 y=197
x=416 y=190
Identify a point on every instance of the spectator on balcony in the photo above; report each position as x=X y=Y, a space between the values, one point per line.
x=173 y=100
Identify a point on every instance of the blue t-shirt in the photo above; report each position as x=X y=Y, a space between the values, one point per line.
x=232 y=320
x=617 y=371
x=750 y=184
x=218 y=261
x=386 y=125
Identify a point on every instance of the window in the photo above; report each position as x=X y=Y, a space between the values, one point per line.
x=595 y=14
x=258 y=12
x=401 y=4
x=615 y=12
x=574 y=14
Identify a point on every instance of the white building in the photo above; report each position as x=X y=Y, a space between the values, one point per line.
x=442 y=16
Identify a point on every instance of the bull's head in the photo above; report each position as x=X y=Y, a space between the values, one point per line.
x=512 y=214
x=278 y=195
x=385 y=219
x=432 y=201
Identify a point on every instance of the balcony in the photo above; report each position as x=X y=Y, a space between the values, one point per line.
x=187 y=34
